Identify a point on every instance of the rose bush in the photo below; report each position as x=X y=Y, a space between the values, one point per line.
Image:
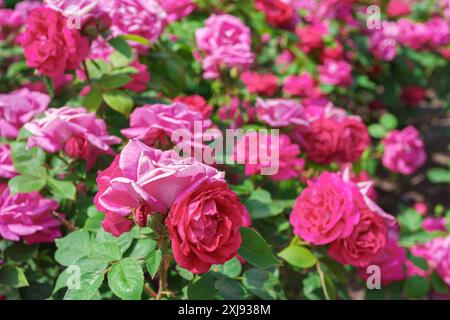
x=318 y=138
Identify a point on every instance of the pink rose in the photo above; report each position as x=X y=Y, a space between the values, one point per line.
x=27 y=216
x=303 y=85
x=7 y=169
x=353 y=140
x=177 y=9
x=431 y=224
x=155 y=124
x=311 y=36
x=196 y=103
x=365 y=244
x=336 y=72
x=78 y=132
x=50 y=46
x=280 y=112
x=260 y=83
x=142 y=181
x=19 y=107
x=288 y=164
x=326 y=210
x=383 y=42
x=321 y=140
x=140 y=79
x=225 y=40
x=397 y=8
x=391 y=263
x=404 y=151
x=204 y=224
x=278 y=13
x=413 y=95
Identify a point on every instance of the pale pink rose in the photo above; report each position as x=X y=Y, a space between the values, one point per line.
x=79 y=133
x=155 y=124
x=204 y=224
x=28 y=217
x=280 y=112
x=177 y=9
x=19 y=107
x=7 y=169
x=50 y=46
x=336 y=72
x=141 y=181
x=303 y=85
x=326 y=210
x=404 y=151
x=225 y=40
x=145 y=18
x=288 y=165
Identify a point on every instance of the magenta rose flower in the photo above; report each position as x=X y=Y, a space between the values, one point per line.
x=50 y=46
x=177 y=9
x=79 y=133
x=204 y=224
x=353 y=140
x=260 y=83
x=278 y=13
x=383 y=42
x=155 y=124
x=365 y=244
x=336 y=73
x=19 y=107
x=280 y=112
x=303 y=85
x=321 y=140
x=326 y=210
x=225 y=40
x=311 y=36
x=431 y=224
x=196 y=103
x=28 y=217
x=7 y=169
x=140 y=79
x=404 y=151
x=142 y=181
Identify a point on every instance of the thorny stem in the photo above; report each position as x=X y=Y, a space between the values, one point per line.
x=163 y=240
x=69 y=225
x=150 y=291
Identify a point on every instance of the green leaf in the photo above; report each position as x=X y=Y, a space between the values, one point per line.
x=25 y=184
x=255 y=249
x=13 y=276
x=93 y=99
x=299 y=257
x=389 y=121
x=202 y=289
x=142 y=248
x=137 y=39
x=114 y=81
x=410 y=220
x=72 y=247
x=124 y=241
x=49 y=85
x=438 y=175
x=122 y=46
x=62 y=189
x=263 y=284
x=232 y=268
x=126 y=279
x=20 y=252
x=438 y=284
x=105 y=251
x=89 y=285
x=119 y=101
x=153 y=262
x=261 y=205
x=231 y=289
x=377 y=130
x=118 y=60
x=416 y=287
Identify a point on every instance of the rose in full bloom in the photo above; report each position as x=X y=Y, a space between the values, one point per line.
x=413 y=95
x=142 y=181
x=353 y=140
x=288 y=164
x=336 y=72
x=326 y=210
x=260 y=83
x=391 y=263
x=303 y=85
x=177 y=9
x=280 y=112
x=139 y=80
x=28 y=217
x=225 y=40
x=311 y=36
x=397 y=8
x=155 y=124
x=7 y=169
x=365 y=244
x=196 y=103
x=321 y=140
x=50 y=46
x=79 y=133
x=204 y=224
x=278 y=13
x=19 y=107
x=404 y=151
x=11 y=20
x=145 y=18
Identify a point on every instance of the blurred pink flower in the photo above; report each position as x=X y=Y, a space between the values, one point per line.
x=7 y=169
x=260 y=83
x=140 y=79
x=337 y=73
x=280 y=112
x=303 y=85
x=177 y=9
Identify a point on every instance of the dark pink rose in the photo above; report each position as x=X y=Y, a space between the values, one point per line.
x=260 y=83
x=397 y=8
x=321 y=140
x=413 y=95
x=278 y=13
x=196 y=103
x=353 y=140
x=204 y=224
x=140 y=79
